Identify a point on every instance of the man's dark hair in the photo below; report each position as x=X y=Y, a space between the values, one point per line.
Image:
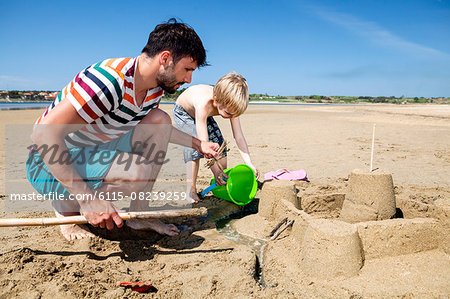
x=178 y=38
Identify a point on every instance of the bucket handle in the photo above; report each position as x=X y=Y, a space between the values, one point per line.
x=204 y=192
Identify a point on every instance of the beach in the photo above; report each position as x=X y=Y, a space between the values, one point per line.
x=412 y=143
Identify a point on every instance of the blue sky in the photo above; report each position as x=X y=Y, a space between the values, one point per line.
x=375 y=48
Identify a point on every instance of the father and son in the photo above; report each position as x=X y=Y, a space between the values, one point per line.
x=112 y=108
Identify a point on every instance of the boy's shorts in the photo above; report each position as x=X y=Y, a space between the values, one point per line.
x=85 y=161
x=185 y=123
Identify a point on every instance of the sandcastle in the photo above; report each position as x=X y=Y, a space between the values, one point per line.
x=370 y=196
x=337 y=231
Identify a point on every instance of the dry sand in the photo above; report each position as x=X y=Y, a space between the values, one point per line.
x=412 y=143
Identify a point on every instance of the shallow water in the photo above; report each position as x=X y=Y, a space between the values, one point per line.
x=23 y=105
x=224 y=227
x=41 y=105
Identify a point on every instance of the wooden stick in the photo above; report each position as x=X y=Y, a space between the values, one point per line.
x=220 y=153
x=125 y=216
x=277 y=227
x=281 y=230
x=373 y=145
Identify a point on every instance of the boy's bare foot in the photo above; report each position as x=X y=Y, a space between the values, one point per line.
x=194 y=196
x=153 y=224
x=75 y=231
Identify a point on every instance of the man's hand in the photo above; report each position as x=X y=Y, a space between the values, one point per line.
x=208 y=149
x=101 y=213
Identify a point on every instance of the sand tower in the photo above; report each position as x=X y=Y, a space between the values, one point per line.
x=370 y=196
x=331 y=248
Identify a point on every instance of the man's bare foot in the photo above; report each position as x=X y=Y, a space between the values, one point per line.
x=75 y=231
x=153 y=224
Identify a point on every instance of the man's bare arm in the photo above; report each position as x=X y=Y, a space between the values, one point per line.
x=208 y=149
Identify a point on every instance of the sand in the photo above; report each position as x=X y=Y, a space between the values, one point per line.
x=405 y=257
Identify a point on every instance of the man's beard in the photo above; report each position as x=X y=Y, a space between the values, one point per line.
x=167 y=80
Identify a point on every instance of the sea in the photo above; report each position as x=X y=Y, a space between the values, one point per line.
x=41 y=105
x=23 y=105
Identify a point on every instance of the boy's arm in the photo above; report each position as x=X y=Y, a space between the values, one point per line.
x=242 y=143
x=200 y=124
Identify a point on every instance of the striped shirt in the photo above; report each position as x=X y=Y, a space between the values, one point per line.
x=103 y=94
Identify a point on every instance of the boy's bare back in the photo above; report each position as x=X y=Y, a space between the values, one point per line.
x=227 y=98
x=198 y=100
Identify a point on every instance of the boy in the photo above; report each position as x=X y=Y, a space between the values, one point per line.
x=193 y=114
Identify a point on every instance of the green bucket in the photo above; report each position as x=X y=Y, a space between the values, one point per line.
x=241 y=185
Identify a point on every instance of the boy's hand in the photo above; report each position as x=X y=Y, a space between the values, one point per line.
x=209 y=149
x=220 y=177
x=255 y=170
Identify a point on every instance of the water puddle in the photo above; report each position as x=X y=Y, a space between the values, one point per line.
x=224 y=227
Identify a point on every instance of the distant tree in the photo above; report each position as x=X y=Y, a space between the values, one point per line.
x=380 y=100
x=14 y=94
x=420 y=100
x=173 y=96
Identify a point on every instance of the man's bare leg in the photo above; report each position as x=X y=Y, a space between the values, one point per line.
x=152 y=135
x=156 y=130
x=136 y=178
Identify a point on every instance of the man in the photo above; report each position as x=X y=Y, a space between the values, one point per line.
x=110 y=111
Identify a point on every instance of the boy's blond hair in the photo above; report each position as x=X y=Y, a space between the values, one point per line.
x=231 y=91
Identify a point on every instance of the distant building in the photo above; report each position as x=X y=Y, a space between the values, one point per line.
x=29 y=96
x=51 y=96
